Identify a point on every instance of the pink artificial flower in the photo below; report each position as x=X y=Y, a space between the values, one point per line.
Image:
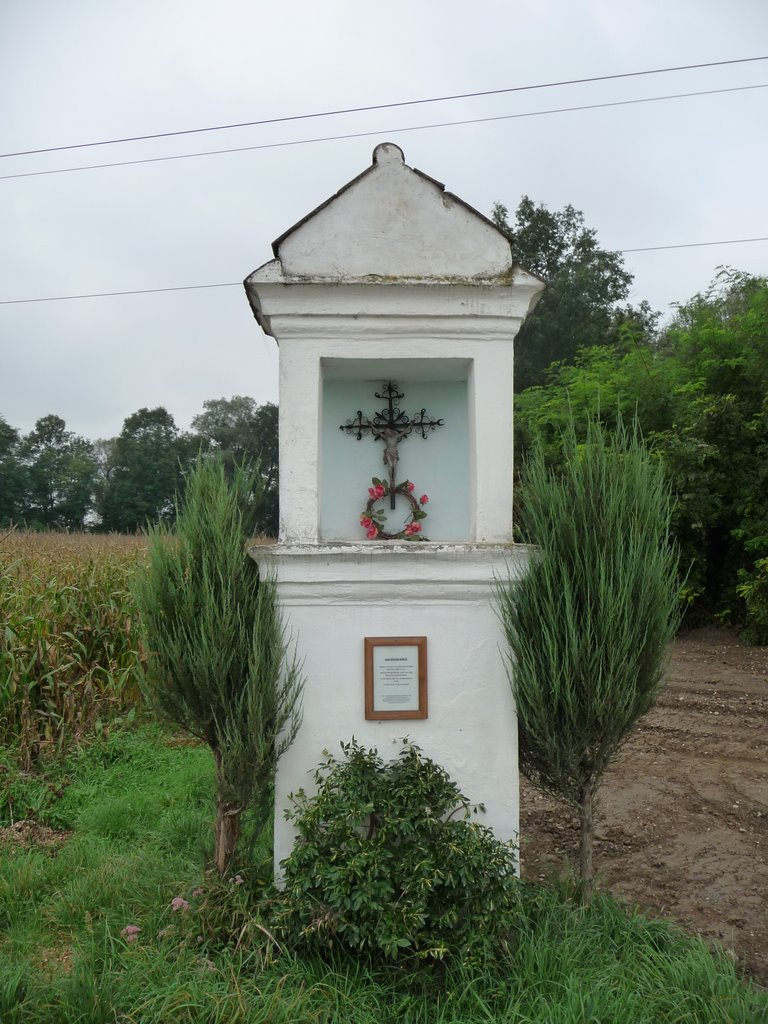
x=366 y=522
x=415 y=527
x=371 y=492
x=130 y=933
x=411 y=487
x=380 y=490
x=424 y=499
x=372 y=533
x=179 y=903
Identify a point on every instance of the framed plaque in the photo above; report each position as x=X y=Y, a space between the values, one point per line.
x=395 y=677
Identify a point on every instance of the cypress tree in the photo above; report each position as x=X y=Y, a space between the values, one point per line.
x=589 y=625
x=217 y=658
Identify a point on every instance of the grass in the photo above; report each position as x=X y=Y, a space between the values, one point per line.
x=132 y=817
x=106 y=819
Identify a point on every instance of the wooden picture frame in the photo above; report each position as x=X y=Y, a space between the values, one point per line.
x=395 y=677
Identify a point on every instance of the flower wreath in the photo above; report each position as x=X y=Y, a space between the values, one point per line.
x=372 y=520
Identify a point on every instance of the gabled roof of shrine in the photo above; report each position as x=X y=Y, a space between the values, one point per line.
x=393 y=223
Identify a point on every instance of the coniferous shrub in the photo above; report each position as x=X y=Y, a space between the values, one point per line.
x=389 y=862
x=589 y=624
x=216 y=647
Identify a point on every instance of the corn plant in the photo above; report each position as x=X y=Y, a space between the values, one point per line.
x=69 y=647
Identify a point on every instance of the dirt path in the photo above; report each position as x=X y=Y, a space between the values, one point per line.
x=682 y=822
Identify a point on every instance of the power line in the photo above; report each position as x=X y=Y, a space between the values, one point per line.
x=134 y=291
x=385 y=106
x=693 y=245
x=238 y=284
x=387 y=131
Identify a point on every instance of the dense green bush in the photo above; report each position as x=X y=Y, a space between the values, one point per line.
x=388 y=861
x=753 y=588
x=699 y=394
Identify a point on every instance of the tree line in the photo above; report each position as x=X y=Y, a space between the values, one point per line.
x=698 y=387
x=53 y=479
x=699 y=390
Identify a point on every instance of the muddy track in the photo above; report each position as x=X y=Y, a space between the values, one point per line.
x=682 y=818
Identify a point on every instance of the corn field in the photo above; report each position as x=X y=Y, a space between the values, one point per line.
x=69 y=646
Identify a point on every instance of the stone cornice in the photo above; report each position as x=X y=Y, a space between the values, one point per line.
x=382 y=573
x=277 y=301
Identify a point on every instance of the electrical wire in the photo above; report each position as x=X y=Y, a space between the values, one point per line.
x=385 y=106
x=380 y=132
x=693 y=245
x=133 y=291
x=238 y=284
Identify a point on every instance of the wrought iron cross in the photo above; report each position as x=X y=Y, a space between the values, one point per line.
x=390 y=425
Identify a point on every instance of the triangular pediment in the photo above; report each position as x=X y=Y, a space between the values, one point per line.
x=393 y=222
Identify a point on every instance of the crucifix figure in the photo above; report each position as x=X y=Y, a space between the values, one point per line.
x=390 y=425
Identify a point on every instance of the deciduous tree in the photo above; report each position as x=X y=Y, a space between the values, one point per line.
x=585 y=285
x=700 y=396
x=246 y=434
x=60 y=472
x=12 y=475
x=144 y=471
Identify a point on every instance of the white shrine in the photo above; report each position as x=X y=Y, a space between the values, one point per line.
x=395 y=306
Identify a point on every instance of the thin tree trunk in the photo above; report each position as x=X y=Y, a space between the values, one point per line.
x=586 y=837
x=227 y=833
x=227 y=827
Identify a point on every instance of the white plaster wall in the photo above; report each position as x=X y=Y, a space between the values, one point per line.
x=438 y=466
x=489 y=415
x=393 y=269
x=322 y=322
x=334 y=597
x=394 y=222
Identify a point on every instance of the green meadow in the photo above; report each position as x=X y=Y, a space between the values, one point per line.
x=108 y=913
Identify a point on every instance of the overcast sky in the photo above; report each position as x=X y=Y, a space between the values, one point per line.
x=679 y=171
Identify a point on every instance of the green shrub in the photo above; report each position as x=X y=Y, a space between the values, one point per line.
x=388 y=861
x=588 y=626
x=753 y=587
x=218 y=664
